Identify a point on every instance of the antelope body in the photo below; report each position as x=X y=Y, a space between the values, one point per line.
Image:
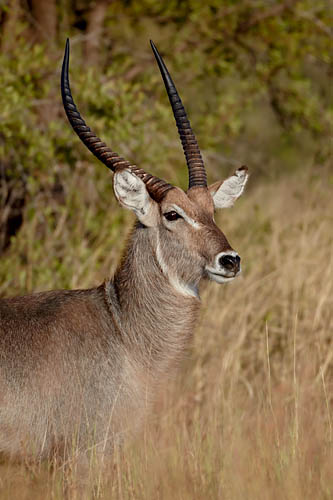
x=80 y=367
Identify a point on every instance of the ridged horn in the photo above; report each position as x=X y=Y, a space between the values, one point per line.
x=157 y=188
x=195 y=164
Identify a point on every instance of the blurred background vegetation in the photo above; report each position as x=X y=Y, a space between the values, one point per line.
x=252 y=414
x=254 y=75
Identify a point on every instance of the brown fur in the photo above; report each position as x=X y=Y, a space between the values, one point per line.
x=77 y=366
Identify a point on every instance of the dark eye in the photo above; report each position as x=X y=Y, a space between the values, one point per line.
x=172 y=215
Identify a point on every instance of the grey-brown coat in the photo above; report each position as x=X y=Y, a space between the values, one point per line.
x=79 y=368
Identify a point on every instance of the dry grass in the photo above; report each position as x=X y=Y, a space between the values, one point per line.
x=250 y=416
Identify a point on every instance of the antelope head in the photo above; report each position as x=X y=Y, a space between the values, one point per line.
x=186 y=242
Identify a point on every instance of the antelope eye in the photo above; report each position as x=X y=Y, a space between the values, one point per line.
x=170 y=216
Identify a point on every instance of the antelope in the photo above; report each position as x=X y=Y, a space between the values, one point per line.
x=84 y=366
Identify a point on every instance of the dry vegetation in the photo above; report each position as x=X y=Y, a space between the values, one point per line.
x=250 y=416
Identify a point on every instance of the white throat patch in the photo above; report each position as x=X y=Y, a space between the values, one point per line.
x=179 y=286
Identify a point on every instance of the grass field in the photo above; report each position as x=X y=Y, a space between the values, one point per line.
x=250 y=415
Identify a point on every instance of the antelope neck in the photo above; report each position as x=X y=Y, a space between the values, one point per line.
x=152 y=310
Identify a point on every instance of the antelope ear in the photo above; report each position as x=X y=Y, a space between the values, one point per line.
x=132 y=193
x=225 y=193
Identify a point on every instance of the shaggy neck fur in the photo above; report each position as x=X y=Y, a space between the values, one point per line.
x=157 y=309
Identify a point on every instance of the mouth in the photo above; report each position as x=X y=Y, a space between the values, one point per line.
x=221 y=277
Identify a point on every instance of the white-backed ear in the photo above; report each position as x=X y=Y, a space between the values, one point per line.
x=225 y=193
x=132 y=193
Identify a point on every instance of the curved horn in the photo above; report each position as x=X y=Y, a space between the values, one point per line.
x=156 y=187
x=195 y=164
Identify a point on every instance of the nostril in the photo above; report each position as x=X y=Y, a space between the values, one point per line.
x=227 y=261
x=230 y=262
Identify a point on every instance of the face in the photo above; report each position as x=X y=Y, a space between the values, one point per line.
x=194 y=243
x=189 y=244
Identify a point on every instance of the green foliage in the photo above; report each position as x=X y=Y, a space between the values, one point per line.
x=254 y=77
x=226 y=57
x=272 y=48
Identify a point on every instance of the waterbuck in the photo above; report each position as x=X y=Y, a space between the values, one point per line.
x=80 y=367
